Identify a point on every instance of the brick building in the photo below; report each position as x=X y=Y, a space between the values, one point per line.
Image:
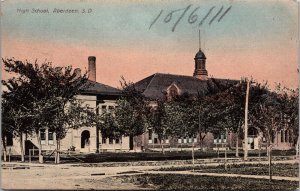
x=164 y=86
x=157 y=86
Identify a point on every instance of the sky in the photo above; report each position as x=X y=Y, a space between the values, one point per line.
x=136 y=39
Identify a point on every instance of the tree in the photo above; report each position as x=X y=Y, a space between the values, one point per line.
x=130 y=112
x=72 y=116
x=289 y=104
x=16 y=115
x=160 y=119
x=46 y=92
x=267 y=116
x=233 y=109
x=109 y=127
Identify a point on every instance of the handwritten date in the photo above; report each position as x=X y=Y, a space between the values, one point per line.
x=177 y=15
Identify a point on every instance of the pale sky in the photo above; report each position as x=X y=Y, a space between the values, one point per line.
x=254 y=38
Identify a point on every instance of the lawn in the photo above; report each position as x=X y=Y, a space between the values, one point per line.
x=289 y=170
x=158 y=156
x=191 y=182
x=147 y=156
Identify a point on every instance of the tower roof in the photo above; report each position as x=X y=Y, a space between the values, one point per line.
x=200 y=55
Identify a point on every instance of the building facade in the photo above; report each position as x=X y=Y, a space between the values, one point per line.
x=158 y=86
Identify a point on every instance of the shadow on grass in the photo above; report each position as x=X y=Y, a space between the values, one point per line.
x=192 y=182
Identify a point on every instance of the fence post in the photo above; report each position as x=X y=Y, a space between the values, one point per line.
x=9 y=154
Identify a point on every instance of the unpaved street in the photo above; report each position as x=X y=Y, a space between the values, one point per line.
x=68 y=176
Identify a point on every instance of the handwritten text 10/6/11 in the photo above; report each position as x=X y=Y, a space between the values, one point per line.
x=178 y=14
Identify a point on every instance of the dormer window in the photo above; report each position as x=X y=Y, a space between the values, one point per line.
x=173 y=91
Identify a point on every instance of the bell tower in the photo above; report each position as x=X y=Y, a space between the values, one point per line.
x=200 y=71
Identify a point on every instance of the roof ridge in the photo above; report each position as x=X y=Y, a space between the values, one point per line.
x=151 y=80
x=90 y=81
x=177 y=75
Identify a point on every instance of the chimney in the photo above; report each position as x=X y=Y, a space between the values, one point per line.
x=92 y=68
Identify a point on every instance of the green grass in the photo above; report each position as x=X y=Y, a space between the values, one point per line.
x=191 y=182
x=158 y=156
x=150 y=156
x=289 y=170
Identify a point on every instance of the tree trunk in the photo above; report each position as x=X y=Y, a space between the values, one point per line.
x=57 y=154
x=218 y=150
x=162 y=146
x=41 y=160
x=259 y=147
x=201 y=141
x=230 y=141
x=4 y=155
x=193 y=156
x=181 y=147
x=4 y=149
x=22 y=147
x=270 y=162
x=121 y=141
x=225 y=161
x=237 y=144
x=134 y=143
x=297 y=149
x=97 y=138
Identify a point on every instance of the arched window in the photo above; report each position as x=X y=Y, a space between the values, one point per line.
x=282 y=136
x=9 y=139
x=85 y=138
x=286 y=135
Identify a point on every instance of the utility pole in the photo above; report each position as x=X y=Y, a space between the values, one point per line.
x=246 y=123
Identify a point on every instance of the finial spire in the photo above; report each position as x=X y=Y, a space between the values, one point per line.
x=199 y=40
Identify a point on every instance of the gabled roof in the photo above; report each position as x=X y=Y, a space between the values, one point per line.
x=155 y=86
x=96 y=88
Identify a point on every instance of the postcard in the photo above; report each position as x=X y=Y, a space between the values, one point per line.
x=149 y=95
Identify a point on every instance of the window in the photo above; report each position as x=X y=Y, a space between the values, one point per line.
x=119 y=140
x=150 y=134
x=286 y=133
x=103 y=108
x=9 y=139
x=282 y=136
x=104 y=141
x=179 y=141
x=43 y=136
x=173 y=92
x=184 y=140
x=155 y=140
x=50 y=137
x=167 y=141
x=220 y=138
x=110 y=108
x=111 y=141
x=290 y=137
x=273 y=136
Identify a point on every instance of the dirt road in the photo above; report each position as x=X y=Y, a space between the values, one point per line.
x=66 y=176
